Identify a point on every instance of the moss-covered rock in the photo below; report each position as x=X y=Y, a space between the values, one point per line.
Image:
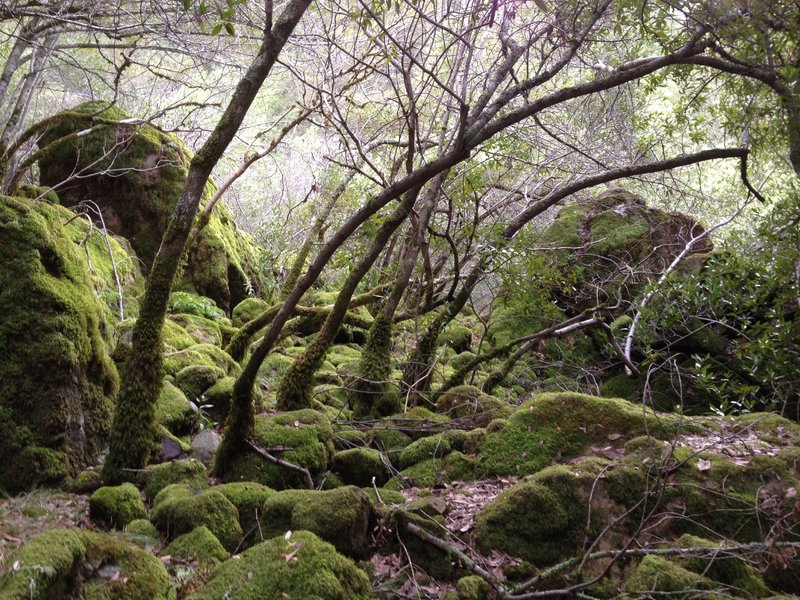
x=436 y=471
x=301 y=567
x=722 y=567
x=86 y=482
x=142 y=527
x=199 y=544
x=360 y=466
x=58 y=379
x=468 y=400
x=202 y=329
x=174 y=411
x=340 y=516
x=564 y=425
x=71 y=563
x=656 y=574
x=305 y=435
x=248 y=497
x=189 y=471
x=247 y=310
x=184 y=509
x=116 y=506
x=472 y=587
x=135 y=172
x=435 y=446
x=207 y=355
x=196 y=379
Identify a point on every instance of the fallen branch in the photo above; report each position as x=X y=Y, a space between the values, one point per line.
x=261 y=451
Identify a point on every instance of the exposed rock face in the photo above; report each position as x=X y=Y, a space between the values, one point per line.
x=57 y=380
x=135 y=173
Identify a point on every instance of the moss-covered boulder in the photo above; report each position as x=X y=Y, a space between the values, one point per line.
x=72 y=563
x=435 y=446
x=116 y=506
x=196 y=379
x=301 y=567
x=201 y=328
x=135 y=173
x=563 y=425
x=86 y=482
x=721 y=567
x=360 y=466
x=340 y=516
x=58 y=379
x=189 y=472
x=180 y=509
x=142 y=527
x=305 y=437
x=247 y=310
x=436 y=471
x=656 y=574
x=248 y=497
x=207 y=355
x=174 y=411
x=199 y=544
x=468 y=400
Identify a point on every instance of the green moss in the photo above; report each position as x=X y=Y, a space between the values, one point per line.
x=58 y=378
x=468 y=400
x=426 y=448
x=200 y=544
x=248 y=498
x=344 y=439
x=175 y=337
x=301 y=567
x=340 y=516
x=436 y=562
x=189 y=471
x=247 y=310
x=196 y=379
x=86 y=482
x=202 y=330
x=272 y=369
x=116 y=506
x=176 y=515
x=306 y=436
x=142 y=527
x=723 y=567
x=193 y=305
x=360 y=466
x=564 y=424
x=472 y=587
x=428 y=473
x=657 y=574
x=63 y=563
x=174 y=411
x=200 y=354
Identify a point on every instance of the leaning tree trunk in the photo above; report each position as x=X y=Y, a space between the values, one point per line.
x=296 y=386
x=133 y=429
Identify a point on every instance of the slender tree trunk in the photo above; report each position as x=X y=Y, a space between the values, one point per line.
x=133 y=429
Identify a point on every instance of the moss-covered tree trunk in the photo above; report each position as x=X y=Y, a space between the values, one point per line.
x=416 y=376
x=368 y=387
x=133 y=429
x=296 y=385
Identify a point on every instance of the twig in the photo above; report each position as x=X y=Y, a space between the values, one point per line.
x=261 y=451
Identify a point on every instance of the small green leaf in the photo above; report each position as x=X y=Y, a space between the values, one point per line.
x=217 y=29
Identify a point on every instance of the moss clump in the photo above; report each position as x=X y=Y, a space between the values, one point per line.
x=564 y=424
x=360 y=466
x=189 y=471
x=196 y=379
x=307 y=437
x=179 y=513
x=200 y=354
x=657 y=574
x=428 y=473
x=65 y=563
x=142 y=527
x=248 y=497
x=457 y=337
x=174 y=411
x=58 y=377
x=202 y=329
x=247 y=310
x=174 y=336
x=340 y=516
x=302 y=567
x=199 y=544
x=116 y=506
x=435 y=446
x=472 y=587
x=468 y=400
x=86 y=482
x=723 y=567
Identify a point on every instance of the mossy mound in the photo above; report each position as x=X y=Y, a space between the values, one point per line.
x=199 y=544
x=340 y=516
x=71 y=563
x=722 y=567
x=180 y=510
x=360 y=466
x=86 y=482
x=189 y=472
x=202 y=329
x=116 y=506
x=196 y=379
x=655 y=574
x=248 y=497
x=142 y=527
x=436 y=471
x=58 y=379
x=306 y=439
x=564 y=425
x=247 y=310
x=468 y=400
x=207 y=355
x=135 y=172
x=174 y=411
x=435 y=446
x=301 y=567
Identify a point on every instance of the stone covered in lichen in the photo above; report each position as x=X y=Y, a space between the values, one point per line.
x=58 y=380
x=340 y=516
x=116 y=506
x=301 y=567
x=135 y=173
x=72 y=563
